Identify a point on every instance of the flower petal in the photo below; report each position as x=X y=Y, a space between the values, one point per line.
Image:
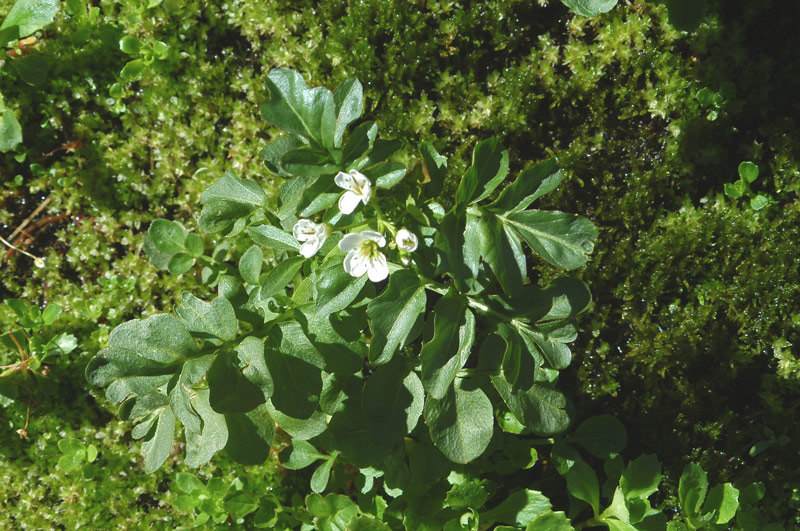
x=304 y=229
x=366 y=192
x=310 y=248
x=348 y=202
x=351 y=241
x=344 y=180
x=378 y=268
x=374 y=236
x=355 y=263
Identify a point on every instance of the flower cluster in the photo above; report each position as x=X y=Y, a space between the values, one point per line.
x=363 y=249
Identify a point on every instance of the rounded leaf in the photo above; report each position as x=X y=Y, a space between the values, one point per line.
x=461 y=423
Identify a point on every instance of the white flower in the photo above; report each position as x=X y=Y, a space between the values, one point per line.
x=407 y=241
x=358 y=189
x=364 y=255
x=313 y=235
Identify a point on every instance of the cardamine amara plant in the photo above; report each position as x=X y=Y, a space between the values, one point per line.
x=372 y=319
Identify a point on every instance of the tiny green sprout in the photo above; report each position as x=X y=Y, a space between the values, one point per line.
x=748 y=173
x=77 y=455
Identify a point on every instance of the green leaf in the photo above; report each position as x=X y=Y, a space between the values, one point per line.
x=550 y=521
x=520 y=508
x=289 y=197
x=641 y=477
x=461 y=423
x=22 y=310
x=349 y=101
x=447 y=352
x=321 y=194
x=250 y=264
x=308 y=162
x=299 y=429
x=50 y=314
x=279 y=277
x=180 y=389
x=158 y=444
x=130 y=45
x=386 y=174
x=240 y=503
x=70 y=446
x=252 y=364
x=359 y=142
x=531 y=184
x=563 y=298
x=299 y=455
x=180 y=263
x=366 y=523
x=273 y=237
x=335 y=288
x=434 y=166
x=502 y=250
x=602 y=436
x=723 y=501
x=338 y=341
x=564 y=240
x=9 y=34
x=133 y=70
x=216 y=319
x=692 y=489
x=319 y=479
x=68 y=463
x=142 y=355
x=395 y=317
x=267 y=515
x=330 y=505
x=231 y=391
x=194 y=244
x=582 y=483
x=10 y=132
x=30 y=15
x=275 y=150
x=759 y=202
x=736 y=189
x=686 y=15
x=295 y=108
x=188 y=483
x=706 y=96
x=748 y=171
x=489 y=168
x=618 y=525
x=754 y=493
x=472 y=245
x=34 y=69
x=295 y=368
x=226 y=217
x=466 y=495
x=590 y=8
x=201 y=447
x=392 y=402
x=232 y=189
x=519 y=362
x=540 y=408
x=250 y=435
x=351 y=436
x=450 y=244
